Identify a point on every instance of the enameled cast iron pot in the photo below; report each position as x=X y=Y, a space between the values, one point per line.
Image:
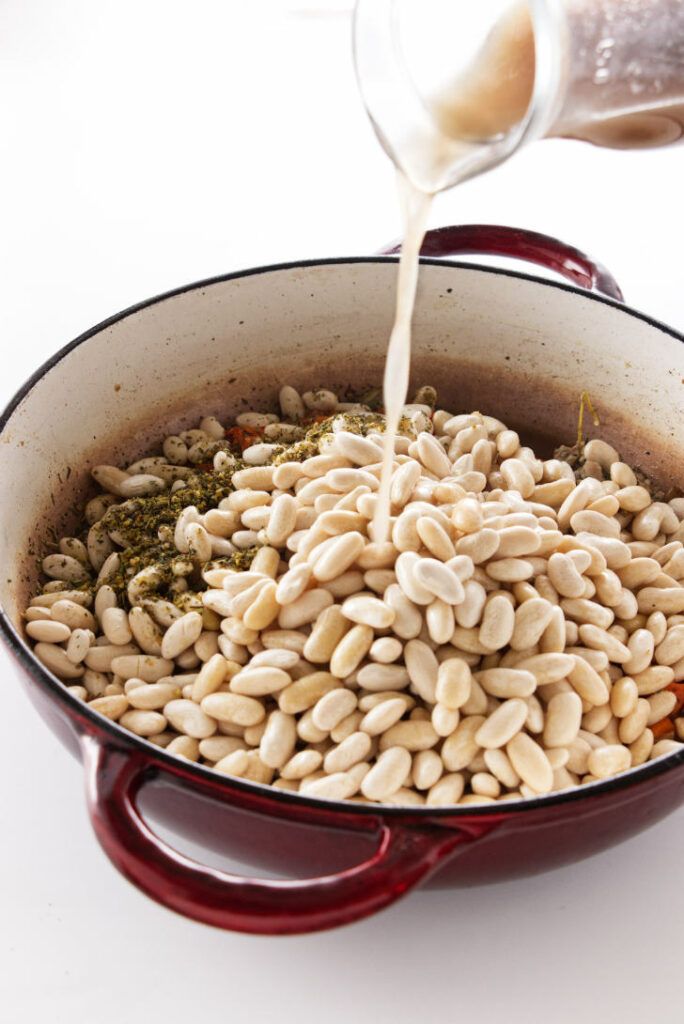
x=519 y=347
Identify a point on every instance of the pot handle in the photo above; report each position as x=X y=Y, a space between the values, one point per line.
x=518 y=243
x=405 y=857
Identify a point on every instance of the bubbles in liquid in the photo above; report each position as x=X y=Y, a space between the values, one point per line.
x=605 y=44
x=604 y=51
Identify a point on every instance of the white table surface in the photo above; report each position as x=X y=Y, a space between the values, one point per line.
x=148 y=144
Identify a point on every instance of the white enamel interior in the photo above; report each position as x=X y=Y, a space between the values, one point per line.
x=522 y=350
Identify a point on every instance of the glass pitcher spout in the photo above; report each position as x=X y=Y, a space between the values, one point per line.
x=453 y=88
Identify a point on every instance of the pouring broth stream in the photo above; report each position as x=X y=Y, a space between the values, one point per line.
x=415 y=208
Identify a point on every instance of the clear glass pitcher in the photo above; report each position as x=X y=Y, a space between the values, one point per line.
x=453 y=87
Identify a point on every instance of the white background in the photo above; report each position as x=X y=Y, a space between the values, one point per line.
x=146 y=144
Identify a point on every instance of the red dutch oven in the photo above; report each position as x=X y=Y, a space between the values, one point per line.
x=519 y=347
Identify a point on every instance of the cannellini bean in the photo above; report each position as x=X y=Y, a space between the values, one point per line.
x=55 y=659
x=565 y=576
x=330 y=627
x=145 y=631
x=498 y=622
x=259 y=682
x=181 y=634
x=479 y=546
x=531 y=619
x=608 y=760
x=447 y=791
x=305 y=692
x=633 y=724
x=188 y=718
x=49 y=598
x=427 y=769
x=439 y=619
x=665 y=747
x=33 y=614
x=454 y=683
x=387 y=775
x=278 y=741
x=351 y=751
x=403 y=481
x=588 y=683
x=78 y=645
x=435 y=537
x=115 y=625
x=385 y=650
x=652 y=679
x=563 y=719
x=503 y=724
x=228 y=707
x=547 y=668
x=72 y=614
x=408 y=621
x=530 y=762
x=150 y=696
x=422 y=667
x=338 y=786
x=405 y=568
x=255 y=478
x=143 y=723
x=351 y=650
x=412 y=735
x=184 y=746
x=146 y=667
x=368 y=610
x=263 y=609
x=332 y=708
x=235 y=763
x=383 y=716
x=460 y=748
x=601 y=640
x=48 y=631
x=292 y=584
x=64 y=567
x=305 y=609
x=438 y=580
x=671 y=647
x=661 y=704
x=498 y=763
x=378 y=677
x=359 y=450
x=506 y=682
x=282 y=518
x=112 y=707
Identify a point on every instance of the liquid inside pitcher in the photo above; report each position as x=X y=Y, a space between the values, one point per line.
x=454 y=87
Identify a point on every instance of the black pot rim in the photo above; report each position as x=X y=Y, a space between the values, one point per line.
x=157 y=757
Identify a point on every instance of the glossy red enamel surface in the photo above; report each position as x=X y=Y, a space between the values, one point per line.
x=346 y=860
x=531 y=246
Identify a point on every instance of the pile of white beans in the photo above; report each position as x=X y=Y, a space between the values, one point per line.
x=516 y=636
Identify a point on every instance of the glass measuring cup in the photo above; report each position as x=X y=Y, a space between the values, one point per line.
x=453 y=88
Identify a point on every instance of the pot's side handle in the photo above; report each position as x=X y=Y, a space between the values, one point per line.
x=518 y=243
x=405 y=856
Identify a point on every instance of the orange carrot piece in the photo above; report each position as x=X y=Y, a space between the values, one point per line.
x=242 y=437
x=678 y=690
x=662 y=728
